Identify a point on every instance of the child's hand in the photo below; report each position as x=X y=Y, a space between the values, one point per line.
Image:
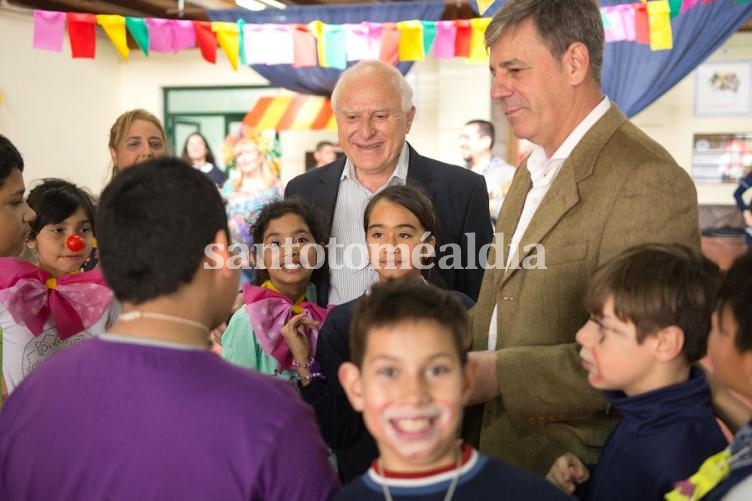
x=567 y=472
x=296 y=340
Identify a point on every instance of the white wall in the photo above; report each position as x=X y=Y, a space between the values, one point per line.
x=58 y=110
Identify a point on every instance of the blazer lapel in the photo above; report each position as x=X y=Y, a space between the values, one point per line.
x=563 y=193
x=418 y=172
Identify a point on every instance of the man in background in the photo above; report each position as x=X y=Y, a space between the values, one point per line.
x=476 y=145
x=325 y=153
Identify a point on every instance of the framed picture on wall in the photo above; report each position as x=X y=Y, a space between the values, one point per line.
x=721 y=158
x=723 y=88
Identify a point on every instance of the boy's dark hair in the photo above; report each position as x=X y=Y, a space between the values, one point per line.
x=655 y=286
x=413 y=199
x=321 y=144
x=155 y=220
x=10 y=158
x=55 y=200
x=292 y=205
x=398 y=301
x=736 y=293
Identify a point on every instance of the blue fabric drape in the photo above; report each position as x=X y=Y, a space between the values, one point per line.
x=316 y=80
x=634 y=76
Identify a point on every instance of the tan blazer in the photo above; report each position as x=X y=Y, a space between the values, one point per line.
x=617 y=189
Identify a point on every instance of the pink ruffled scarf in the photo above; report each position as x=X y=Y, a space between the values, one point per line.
x=269 y=310
x=31 y=296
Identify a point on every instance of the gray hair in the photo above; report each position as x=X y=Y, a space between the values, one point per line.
x=559 y=23
x=370 y=66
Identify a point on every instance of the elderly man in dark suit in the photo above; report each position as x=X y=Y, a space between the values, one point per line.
x=373 y=107
x=593 y=186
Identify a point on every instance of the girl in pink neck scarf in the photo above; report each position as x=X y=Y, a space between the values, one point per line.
x=289 y=237
x=50 y=304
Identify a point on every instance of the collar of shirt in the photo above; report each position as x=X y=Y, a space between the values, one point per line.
x=540 y=167
x=400 y=170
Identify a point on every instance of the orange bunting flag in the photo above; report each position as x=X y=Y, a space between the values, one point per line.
x=114 y=27
x=642 y=25
x=390 y=40
x=229 y=39
x=82 y=34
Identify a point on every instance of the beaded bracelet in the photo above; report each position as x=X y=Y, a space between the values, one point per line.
x=307 y=365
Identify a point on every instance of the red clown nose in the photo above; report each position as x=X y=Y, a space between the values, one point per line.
x=75 y=243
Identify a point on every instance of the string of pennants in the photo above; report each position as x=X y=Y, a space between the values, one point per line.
x=329 y=45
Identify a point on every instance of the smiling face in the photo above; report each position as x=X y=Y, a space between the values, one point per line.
x=410 y=389
x=534 y=92
x=15 y=215
x=371 y=123
x=611 y=355
x=143 y=141
x=248 y=157
x=392 y=235
x=54 y=255
x=284 y=240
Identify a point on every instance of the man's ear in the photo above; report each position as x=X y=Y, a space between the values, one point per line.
x=670 y=343
x=576 y=63
x=349 y=378
x=409 y=119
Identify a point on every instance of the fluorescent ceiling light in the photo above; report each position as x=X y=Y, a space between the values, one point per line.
x=260 y=4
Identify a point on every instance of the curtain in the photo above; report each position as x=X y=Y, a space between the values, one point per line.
x=634 y=76
x=316 y=80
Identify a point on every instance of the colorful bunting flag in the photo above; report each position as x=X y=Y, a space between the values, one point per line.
x=304 y=47
x=411 y=41
x=334 y=46
x=114 y=27
x=49 y=30
x=642 y=25
x=82 y=34
x=446 y=35
x=483 y=5
x=229 y=40
x=429 y=35
x=139 y=31
x=660 y=25
x=463 y=39
x=206 y=40
x=358 y=42
x=390 y=39
x=183 y=35
x=160 y=34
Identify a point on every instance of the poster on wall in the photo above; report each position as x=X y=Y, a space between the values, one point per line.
x=721 y=158
x=723 y=88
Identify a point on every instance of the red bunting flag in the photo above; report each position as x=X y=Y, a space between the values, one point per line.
x=207 y=40
x=464 y=38
x=82 y=34
x=390 y=38
x=642 y=24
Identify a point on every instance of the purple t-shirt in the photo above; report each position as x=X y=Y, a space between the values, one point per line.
x=113 y=420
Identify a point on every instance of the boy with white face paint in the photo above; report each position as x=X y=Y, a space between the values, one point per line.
x=408 y=376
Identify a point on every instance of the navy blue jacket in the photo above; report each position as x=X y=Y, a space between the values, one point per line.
x=664 y=436
x=341 y=426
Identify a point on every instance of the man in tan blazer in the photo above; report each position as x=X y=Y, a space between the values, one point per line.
x=593 y=186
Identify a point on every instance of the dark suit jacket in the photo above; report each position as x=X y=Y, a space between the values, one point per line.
x=460 y=199
x=617 y=189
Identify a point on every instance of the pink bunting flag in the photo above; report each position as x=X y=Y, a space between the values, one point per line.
x=375 y=30
x=49 y=30
x=268 y=44
x=357 y=42
x=82 y=34
x=446 y=35
x=183 y=35
x=160 y=34
x=688 y=4
x=304 y=47
x=621 y=23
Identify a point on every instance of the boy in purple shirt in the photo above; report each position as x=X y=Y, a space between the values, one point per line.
x=147 y=411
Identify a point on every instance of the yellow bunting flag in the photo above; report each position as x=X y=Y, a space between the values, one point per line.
x=660 y=25
x=483 y=5
x=228 y=37
x=114 y=27
x=316 y=28
x=411 y=41
x=478 y=52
